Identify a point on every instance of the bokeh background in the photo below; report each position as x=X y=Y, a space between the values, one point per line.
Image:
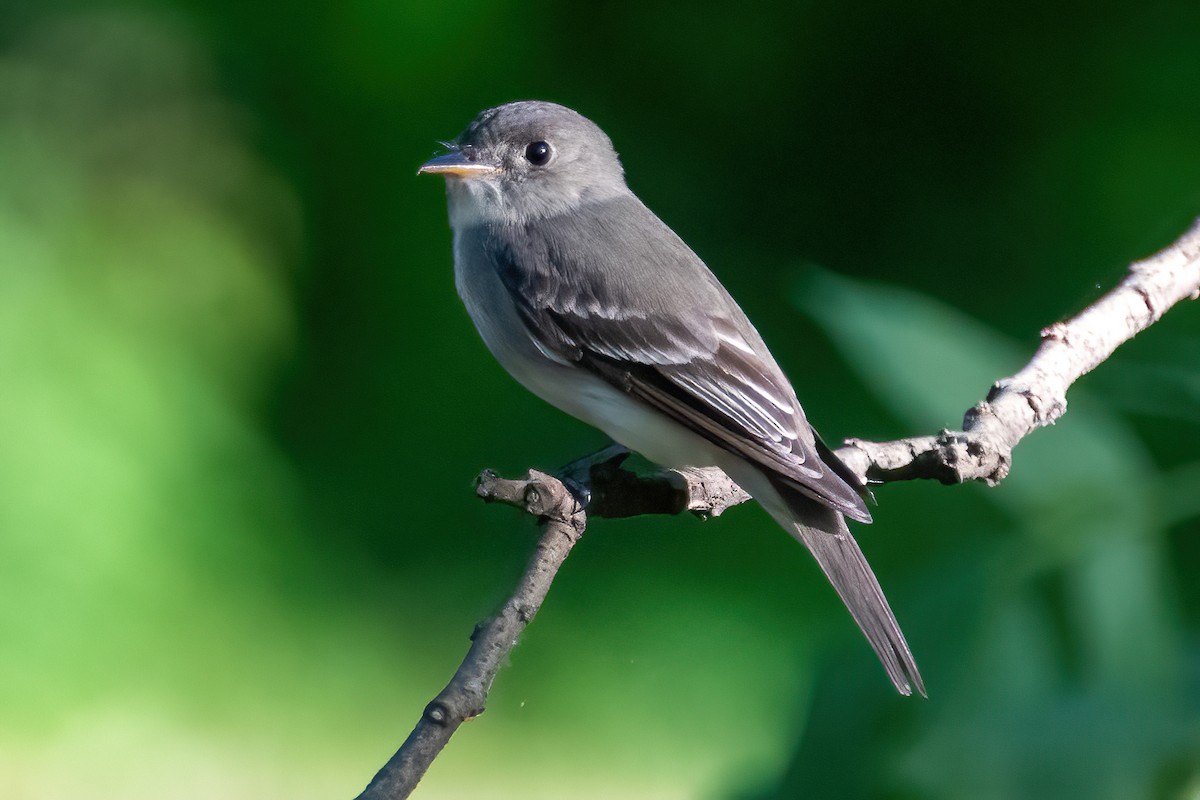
x=241 y=407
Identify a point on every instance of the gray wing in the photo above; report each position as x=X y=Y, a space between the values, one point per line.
x=665 y=331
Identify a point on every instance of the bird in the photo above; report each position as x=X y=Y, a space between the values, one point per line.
x=595 y=305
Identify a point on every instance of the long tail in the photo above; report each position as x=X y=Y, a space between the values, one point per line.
x=825 y=534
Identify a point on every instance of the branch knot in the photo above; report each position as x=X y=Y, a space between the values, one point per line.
x=437 y=712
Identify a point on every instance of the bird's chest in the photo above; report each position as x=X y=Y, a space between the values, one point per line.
x=490 y=306
x=502 y=329
x=506 y=335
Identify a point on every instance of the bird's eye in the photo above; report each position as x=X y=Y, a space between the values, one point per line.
x=538 y=153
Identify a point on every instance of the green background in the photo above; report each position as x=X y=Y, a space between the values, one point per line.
x=241 y=407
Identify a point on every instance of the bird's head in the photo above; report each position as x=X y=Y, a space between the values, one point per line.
x=525 y=161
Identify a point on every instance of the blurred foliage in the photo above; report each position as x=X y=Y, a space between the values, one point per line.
x=241 y=407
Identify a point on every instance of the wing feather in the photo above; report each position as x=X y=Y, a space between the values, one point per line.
x=678 y=343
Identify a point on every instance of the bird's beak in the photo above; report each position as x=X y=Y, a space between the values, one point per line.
x=458 y=165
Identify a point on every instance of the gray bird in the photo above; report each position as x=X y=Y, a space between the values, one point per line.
x=596 y=306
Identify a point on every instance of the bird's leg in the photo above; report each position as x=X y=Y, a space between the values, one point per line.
x=577 y=475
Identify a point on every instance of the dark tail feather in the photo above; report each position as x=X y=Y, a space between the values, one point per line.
x=824 y=532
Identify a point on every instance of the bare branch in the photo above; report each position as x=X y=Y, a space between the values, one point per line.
x=562 y=523
x=1015 y=407
x=1037 y=395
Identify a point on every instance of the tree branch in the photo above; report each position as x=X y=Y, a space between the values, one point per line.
x=1015 y=407
x=1037 y=395
x=562 y=523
